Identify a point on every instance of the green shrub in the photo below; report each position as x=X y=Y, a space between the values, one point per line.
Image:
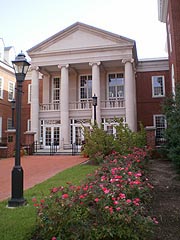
x=99 y=143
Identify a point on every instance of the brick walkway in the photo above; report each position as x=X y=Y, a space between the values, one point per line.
x=36 y=169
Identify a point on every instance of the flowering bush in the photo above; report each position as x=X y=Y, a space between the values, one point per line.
x=109 y=205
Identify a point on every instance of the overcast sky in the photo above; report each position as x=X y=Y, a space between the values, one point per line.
x=23 y=24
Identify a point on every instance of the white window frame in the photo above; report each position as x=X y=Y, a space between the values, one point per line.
x=117 y=96
x=11 y=91
x=29 y=93
x=29 y=125
x=58 y=89
x=153 y=87
x=1 y=87
x=9 y=123
x=88 y=98
x=0 y=129
x=154 y=121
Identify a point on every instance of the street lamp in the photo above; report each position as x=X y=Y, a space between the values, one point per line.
x=20 y=66
x=13 y=108
x=94 y=103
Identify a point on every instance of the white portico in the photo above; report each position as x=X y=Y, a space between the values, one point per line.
x=77 y=63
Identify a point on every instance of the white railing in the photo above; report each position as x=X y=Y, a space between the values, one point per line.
x=49 y=107
x=80 y=105
x=113 y=103
x=84 y=105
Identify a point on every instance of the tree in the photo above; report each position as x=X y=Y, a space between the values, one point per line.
x=171 y=109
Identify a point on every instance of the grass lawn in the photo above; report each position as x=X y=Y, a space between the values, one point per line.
x=18 y=223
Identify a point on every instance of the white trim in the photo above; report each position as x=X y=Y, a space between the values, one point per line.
x=0 y=128
x=116 y=72
x=52 y=89
x=29 y=125
x=154 y=121
x=2 y=87
x=163 y=81
x=9 y=90
x=29 y=93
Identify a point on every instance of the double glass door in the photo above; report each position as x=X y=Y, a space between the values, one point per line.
x=51 y=136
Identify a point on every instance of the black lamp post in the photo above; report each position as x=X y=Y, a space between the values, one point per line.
x=13 y=108
x=94 y=102
x=20 y=66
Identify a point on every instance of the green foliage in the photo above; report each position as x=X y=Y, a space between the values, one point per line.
x=99 y=143
x=171 y=109
x=126 y=139
x=108 y=206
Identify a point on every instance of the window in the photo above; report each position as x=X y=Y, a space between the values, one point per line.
x=29 y=92
x=86 y=87
x=1 y=87
x=11 y=90
x=29 y=125
x=158 y=88
x=9 y=123
x=116 y=85
x=56 y=89
x=160 y=124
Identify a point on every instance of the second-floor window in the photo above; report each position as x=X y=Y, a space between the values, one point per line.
x=116 y=85
x=29 y=93
x=1 y=87
x=158 y=87
x=11 y=90
x=85 y=87
x=56 y=89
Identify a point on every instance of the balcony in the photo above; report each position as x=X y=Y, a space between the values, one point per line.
x=84 y=108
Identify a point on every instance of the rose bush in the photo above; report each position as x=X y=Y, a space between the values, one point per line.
x=110 y=204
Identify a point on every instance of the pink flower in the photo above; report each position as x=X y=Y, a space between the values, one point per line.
x=64 y=196
x=96 y=199
x=53 y=238
x=116 y=202
x=42 y=200
x=128 y=201
x=34 y=199
x=54 y=190
x=122 y=195
x=118 y=209
x=155 y=220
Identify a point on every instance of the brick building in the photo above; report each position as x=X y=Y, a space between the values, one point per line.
x=7 y=88
x=70 y=67
x=169 y=13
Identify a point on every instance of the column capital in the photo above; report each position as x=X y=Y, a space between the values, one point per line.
x=125 y=60
x=94 y=63
x=63 y=66
x=33 y=67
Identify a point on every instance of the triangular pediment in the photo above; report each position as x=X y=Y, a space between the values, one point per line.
x=80 y=36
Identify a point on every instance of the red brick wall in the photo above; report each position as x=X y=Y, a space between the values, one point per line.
x=26 y=107
x=147 y=106
x=174 y=19
x=5 y=105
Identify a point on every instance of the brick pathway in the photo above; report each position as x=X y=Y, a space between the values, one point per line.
x=36 y=169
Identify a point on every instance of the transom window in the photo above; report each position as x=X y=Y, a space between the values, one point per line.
x=116 y=85
x=11 y=91
x=1 y=87
x=56 y=89
x=85 y=87
x=158 y=88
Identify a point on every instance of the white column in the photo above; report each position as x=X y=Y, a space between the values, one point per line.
x=96 y=90
x=130 y=94
x=35 y=102
x=46 y=89
x=64 y=98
